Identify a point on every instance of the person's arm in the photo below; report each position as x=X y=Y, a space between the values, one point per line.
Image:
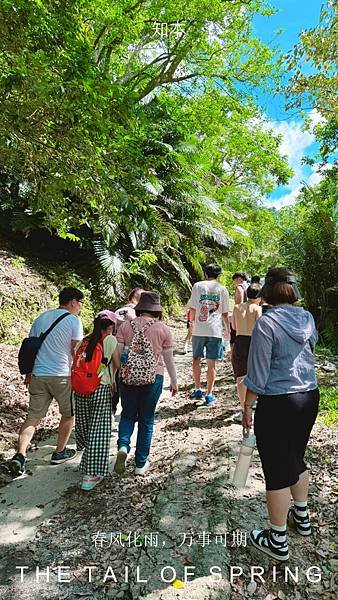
x=233 y=318
x=226 y=324
x=259 y=359
x=239 y=295
x=73 y=345
x=192 y=315
x=116 y=358
x=259 y=364
x=225 y=310
x=77 y=333
x=168 y=358
x=193 y=303
x=250 y=398
x=120 y=337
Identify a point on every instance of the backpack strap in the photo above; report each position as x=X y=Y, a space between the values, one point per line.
x=147 y=325
x=144 y=328
x=44 y=335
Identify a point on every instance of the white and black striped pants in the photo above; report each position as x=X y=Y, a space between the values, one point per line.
x=93 y=421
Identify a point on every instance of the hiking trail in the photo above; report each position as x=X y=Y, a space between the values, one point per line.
x=187 y=503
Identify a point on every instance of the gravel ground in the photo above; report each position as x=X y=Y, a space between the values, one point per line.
x=185 y=517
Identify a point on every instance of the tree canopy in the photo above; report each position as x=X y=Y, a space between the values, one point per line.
x=131 y=141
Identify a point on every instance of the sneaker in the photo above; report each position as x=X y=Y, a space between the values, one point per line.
x=209 y=400
x=61 y=457
x=267 y=541
x=17 y=465
x=300 y=523
x=197 y=394
x=90 y=481
x=120 y=463
x=142 y=470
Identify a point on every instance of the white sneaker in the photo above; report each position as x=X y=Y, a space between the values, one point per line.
x=142 y=470
x=120 y=463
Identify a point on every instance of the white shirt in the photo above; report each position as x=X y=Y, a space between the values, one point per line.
x=210 y=300
x=54 y=357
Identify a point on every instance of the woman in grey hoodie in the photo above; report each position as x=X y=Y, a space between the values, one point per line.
x=281 y=376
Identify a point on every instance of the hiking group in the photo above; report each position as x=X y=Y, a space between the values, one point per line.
x=272 y=353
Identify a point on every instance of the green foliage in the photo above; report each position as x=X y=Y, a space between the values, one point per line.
x=315 y=80
x=329 y=404
x=134 y=147
x=308 y=245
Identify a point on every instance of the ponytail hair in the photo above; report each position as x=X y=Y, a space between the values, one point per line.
x=95 y=337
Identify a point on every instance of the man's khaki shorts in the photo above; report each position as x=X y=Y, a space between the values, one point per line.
x=42 y=390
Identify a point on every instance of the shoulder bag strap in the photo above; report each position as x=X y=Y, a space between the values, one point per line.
x=44 y=335
x=147 y=325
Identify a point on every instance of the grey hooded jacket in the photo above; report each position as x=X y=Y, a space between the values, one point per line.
x=281 y=356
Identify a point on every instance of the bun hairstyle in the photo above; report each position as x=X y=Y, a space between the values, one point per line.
x=280 y=287
x=254 y=291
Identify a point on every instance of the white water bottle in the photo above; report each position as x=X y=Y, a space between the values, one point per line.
x=244 y=459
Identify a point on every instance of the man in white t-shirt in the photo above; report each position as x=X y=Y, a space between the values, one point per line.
x=50 y=377
x=209 y=307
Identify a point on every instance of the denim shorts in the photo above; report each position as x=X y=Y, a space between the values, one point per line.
x=213 y=347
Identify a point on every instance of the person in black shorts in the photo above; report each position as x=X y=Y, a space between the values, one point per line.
x=281 y=377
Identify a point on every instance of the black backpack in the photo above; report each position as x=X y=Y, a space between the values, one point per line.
x=31 y=346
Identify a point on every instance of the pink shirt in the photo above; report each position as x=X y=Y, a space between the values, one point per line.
x=158 y=334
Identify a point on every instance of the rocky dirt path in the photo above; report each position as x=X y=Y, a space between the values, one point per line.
x=131 y=536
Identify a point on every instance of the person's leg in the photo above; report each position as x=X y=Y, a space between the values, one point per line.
x=241 y=390
x=60 y=389
x=64 y=431
x=189 y=335
x=128 y=418
x=95 y=459
x=196 y=371
x=273 y=541
x=214 y=351
x=26 y=433
x=278 y=502
x=39 y=401
x=116 y=394
x=211 y=375
x=198 y=343
x=298 y=514
x=147 y=401
x=129 y=415
x=188 y=338
x=82 y=420
x=299 y=490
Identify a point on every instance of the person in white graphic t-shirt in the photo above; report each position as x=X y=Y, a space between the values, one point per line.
x=209 y=307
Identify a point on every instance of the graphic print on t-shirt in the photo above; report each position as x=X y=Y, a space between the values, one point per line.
x=209 y=304
x=210 y=300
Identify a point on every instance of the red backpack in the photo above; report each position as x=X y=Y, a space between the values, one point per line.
x=85 y=376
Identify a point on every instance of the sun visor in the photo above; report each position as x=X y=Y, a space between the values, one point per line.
x=291 y=279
